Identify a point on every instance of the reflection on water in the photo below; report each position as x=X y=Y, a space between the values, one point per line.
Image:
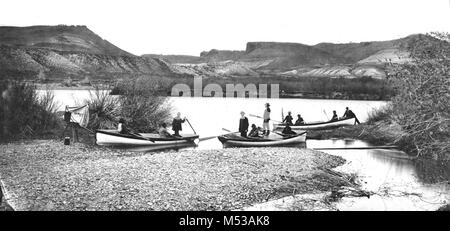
x=400 y=183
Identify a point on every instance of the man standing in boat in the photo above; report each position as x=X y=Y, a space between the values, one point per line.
x=266 y=119
x=176 y=124
x=349 y=114
x=243 y=124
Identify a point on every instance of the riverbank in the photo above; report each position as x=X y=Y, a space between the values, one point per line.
x=47 y=175
x=379 y=133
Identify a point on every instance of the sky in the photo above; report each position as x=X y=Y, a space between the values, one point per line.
x=189 y=27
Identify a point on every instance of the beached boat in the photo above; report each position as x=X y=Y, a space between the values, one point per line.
x=317 y=126
x=114 y=138
x=235 y=140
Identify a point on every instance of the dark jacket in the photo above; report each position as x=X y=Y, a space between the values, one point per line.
x=288 y=131
x=243 y=124
x=299 y=121
x=176 y=124
x=254 y=132
x=288 y=119
x=349 y=114
x=334 y=118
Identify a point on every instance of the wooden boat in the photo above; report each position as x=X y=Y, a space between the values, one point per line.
x=317 y=126
x=114 y=138
x=235 y=140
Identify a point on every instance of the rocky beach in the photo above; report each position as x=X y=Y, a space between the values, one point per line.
x=48 y=175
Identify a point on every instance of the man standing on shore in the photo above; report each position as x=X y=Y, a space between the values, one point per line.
x=266 y=119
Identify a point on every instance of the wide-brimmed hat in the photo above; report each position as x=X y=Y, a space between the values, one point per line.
x=267 y=104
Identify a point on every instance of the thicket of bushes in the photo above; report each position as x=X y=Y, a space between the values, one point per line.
x=139 y=103
x=422 y=103
x=23 y=113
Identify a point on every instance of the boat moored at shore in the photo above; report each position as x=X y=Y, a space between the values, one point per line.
x=114 y=138
x=318 y=125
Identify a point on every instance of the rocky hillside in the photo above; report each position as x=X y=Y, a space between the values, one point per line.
x=351 y=60
x=54 y=53
x=59 y=38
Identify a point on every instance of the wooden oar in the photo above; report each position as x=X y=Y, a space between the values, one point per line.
x=326 y=114
x=207 y=138
x=263 y=118
x=191 y=126
x=212 y=137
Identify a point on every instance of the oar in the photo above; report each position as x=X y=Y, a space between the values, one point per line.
x=212 y=137
x=207 y=138
x=326 y=114
x=263 y=118
x=190 y=126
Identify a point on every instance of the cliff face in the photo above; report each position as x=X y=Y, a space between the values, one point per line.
x=58 y=52
x=350 y=60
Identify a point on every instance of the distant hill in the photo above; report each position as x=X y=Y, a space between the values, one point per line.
x=54 y=53
x=59 y=38
x=176 y=58
x=352 y=60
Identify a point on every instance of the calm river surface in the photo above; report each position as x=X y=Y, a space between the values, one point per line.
x=399 y=182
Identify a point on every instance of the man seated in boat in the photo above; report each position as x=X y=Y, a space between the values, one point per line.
x=243 y=124
x=299 y=120
x=121 y=127
x=254 y=133
x=288 y=119
x=176 y=124
x=288 y=131
x=163 y=132
x=335 y=117
x=349 y=114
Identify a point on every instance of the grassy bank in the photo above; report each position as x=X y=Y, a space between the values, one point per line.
x=47 y=175
x=380 y=133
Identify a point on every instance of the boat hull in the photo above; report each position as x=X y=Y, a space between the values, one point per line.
x=113 y=138
x=256 y=142
x=318 y=126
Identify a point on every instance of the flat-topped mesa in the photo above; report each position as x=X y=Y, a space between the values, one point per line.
x=252 y=46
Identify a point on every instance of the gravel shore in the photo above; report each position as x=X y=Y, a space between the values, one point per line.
x=47 y=175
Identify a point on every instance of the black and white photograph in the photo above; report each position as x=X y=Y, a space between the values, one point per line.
x=236 y=106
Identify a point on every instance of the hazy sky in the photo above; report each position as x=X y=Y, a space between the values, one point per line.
x=191 y=26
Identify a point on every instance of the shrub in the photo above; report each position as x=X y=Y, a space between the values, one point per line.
x=381 y=114
x=142 y=108
x=421 y=105
x=103 y=109
x=23 y=114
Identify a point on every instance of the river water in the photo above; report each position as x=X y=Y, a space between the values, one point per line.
x=399 y=183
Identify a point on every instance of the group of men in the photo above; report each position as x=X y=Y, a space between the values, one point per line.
x=254 y=132
x=243 y=124
x=347 y=115
x=162 y=131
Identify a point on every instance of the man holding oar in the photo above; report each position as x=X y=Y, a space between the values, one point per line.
x=176 y=124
